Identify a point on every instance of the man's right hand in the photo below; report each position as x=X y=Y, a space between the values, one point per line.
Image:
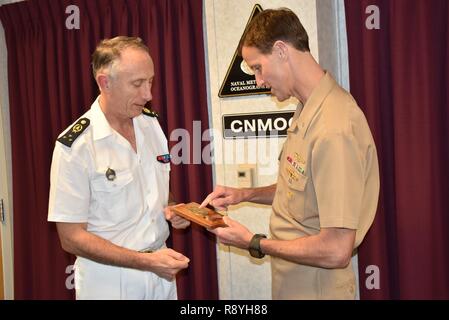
x=223 y=196
x=166 y=263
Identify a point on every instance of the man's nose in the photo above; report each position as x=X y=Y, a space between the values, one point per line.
x=260 y=81
x=146 y=92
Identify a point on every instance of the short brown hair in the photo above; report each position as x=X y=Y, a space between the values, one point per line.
x=109 y=50
x=272 y=25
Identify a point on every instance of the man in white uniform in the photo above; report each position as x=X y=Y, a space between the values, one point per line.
x=110 y=184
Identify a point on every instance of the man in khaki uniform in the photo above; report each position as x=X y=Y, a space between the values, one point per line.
x=326 y=195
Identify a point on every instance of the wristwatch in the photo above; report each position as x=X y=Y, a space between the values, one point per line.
x=254 y=246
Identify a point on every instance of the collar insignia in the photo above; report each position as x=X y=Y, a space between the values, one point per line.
x=150 y=113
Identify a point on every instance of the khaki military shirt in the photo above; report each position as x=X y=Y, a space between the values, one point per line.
x=328 y=177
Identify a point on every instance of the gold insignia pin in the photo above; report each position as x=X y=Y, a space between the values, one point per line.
x=299 y=158
x=77 y=128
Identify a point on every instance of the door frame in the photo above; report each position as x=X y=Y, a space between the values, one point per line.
x=6 y=227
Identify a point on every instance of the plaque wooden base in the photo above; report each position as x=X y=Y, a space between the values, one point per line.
x=205 y=217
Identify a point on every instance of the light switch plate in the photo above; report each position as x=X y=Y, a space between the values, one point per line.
x=245 y=175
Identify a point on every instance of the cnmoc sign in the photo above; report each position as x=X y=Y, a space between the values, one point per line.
x=268 y=125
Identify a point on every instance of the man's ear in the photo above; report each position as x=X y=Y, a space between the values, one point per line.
x=103 y=82
x=280 y=49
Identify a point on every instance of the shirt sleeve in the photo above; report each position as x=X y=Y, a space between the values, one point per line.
x=338 y=177
x=69 y=188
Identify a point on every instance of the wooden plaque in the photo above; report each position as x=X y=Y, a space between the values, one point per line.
x=203 y=216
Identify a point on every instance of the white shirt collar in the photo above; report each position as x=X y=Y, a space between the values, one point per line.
x=100 y=125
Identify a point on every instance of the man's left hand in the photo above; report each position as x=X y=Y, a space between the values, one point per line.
x=176 y=221
x=235 y=234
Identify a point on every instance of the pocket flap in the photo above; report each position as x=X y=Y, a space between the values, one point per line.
x=163 y=166
x=101 y=183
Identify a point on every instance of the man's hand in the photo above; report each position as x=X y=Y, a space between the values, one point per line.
x=177 y=222
x=166 y=263
x=223 y=196
x=235 y=234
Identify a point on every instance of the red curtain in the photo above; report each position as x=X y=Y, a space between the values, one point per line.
x=399 y=76
x=50 y=85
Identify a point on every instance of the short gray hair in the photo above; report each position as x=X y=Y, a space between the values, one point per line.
x=109 y=51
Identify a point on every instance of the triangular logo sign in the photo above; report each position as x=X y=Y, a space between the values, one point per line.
x=239 y=80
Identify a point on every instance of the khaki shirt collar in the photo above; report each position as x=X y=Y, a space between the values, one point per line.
x=304 y=114
x=295 y=121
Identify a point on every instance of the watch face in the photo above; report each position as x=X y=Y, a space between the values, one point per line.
x=256 y=253
x=254 y=246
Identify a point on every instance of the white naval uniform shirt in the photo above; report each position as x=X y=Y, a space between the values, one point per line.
x=128 y=210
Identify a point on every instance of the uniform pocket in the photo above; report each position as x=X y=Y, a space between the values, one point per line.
x=296 y=194
x=162 y=181
x=163 y=166
x=112 y=195
x=102 y=184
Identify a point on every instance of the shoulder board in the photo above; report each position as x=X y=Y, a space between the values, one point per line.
x=74 y=132
x=150 y=113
